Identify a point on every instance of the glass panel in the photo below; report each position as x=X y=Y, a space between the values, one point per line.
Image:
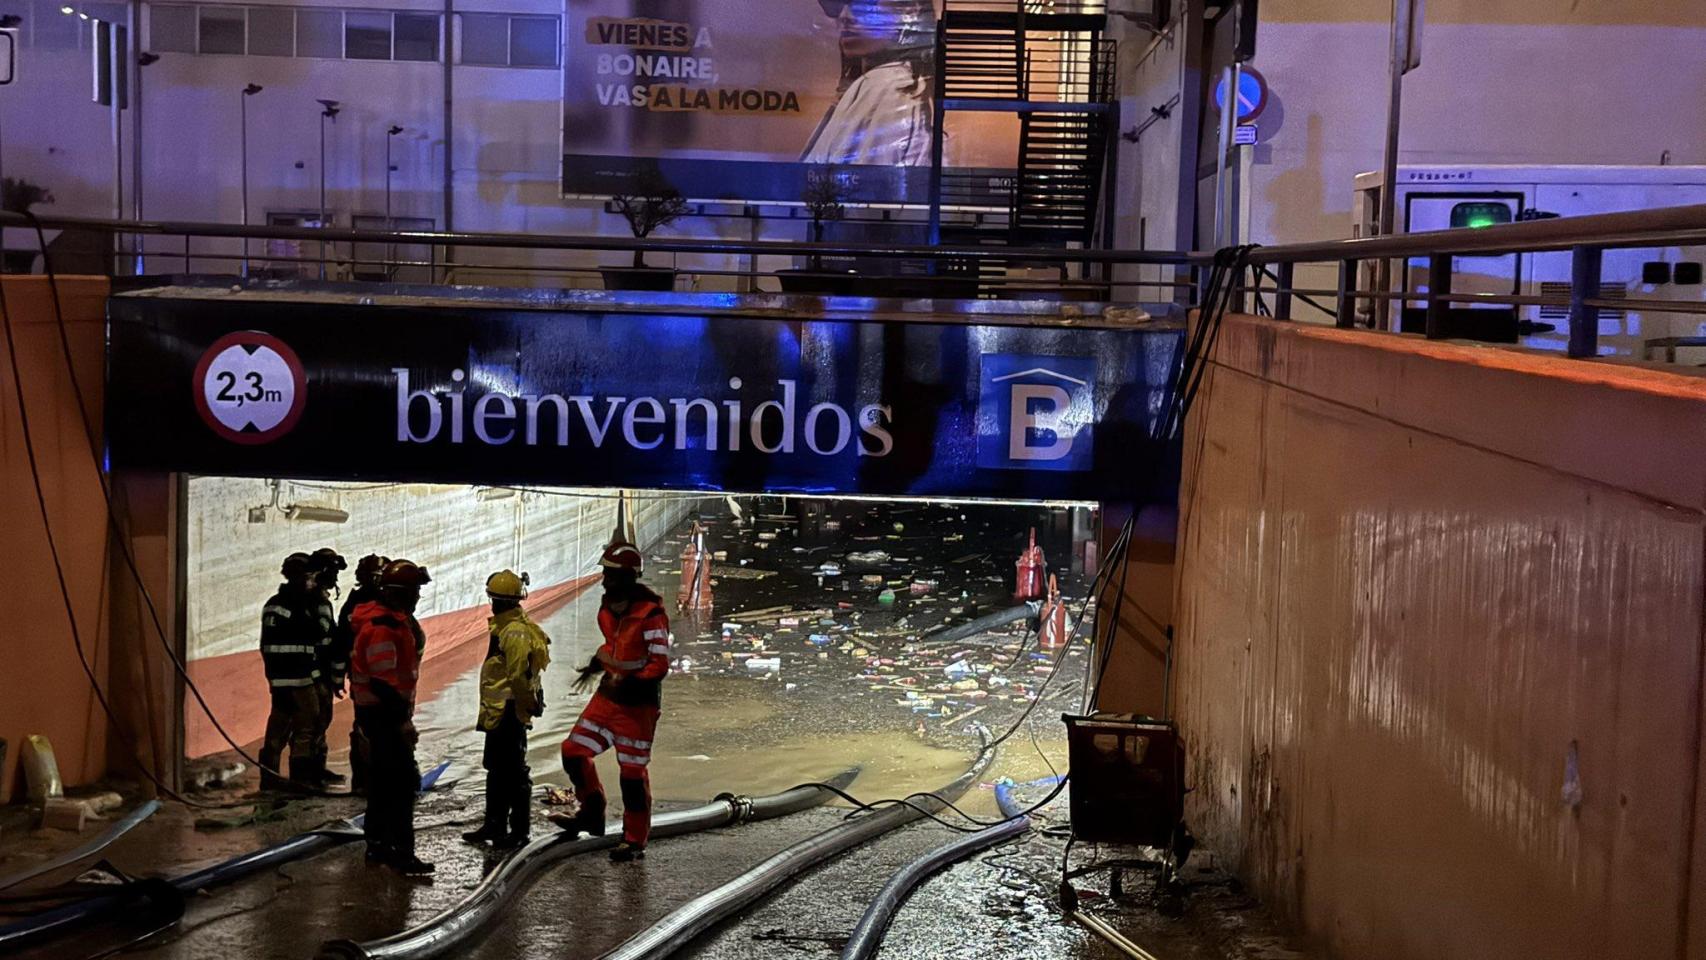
x=367 y=35
x=485 y=39
x=221 y=29
x=272 y=32
x=320 y=33
x=171 y=29
x=533 y=42
x=417 y=36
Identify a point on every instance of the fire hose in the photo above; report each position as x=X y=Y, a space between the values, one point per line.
x=867 y=937
x=987 y=622
x=453 y=927
x=63 y=919
x=676 y=930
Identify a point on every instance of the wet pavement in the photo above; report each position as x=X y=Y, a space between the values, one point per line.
x=848 y=675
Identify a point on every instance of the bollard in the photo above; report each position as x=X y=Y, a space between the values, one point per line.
x=1052 y=634
x=1029 y=583
x=689 y=569
x=695 y=590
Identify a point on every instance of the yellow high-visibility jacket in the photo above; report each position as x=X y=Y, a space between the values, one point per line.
x=513 y=675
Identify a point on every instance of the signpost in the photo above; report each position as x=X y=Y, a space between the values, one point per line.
x=1407 y=16
x=1246 y=91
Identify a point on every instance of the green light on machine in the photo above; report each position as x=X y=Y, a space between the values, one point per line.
x=1475 y=215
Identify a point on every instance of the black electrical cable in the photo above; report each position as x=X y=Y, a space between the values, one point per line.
x=1190 y=371
x=120 y=533
x=58 y=564
x=1304 y=297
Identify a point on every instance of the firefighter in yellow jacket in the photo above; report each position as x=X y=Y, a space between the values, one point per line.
x=511 y=695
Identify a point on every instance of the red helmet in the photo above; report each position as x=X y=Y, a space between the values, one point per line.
x=403 y=573
x=621 y=556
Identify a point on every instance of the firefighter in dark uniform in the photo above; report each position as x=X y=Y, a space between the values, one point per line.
x=290 y=653
x=385 y=668
x=334 y=660
x=343 y=638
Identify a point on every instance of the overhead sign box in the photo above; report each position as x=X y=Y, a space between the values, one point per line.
x=601 y=395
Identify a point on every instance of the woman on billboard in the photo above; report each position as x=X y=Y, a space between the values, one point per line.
x=883 y=115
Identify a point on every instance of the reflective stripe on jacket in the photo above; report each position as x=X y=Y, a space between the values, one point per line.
x=514 y=673
x=291 y=638
x=334 y=663
x=636 y=651
x=386 y=651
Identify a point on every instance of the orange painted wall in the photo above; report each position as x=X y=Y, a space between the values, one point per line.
x=236 y=691
x=43 y=688
x=1413 y=579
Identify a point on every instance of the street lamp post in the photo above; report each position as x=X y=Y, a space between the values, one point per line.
x=329 y=112
x=390 y=249
x=243 y=102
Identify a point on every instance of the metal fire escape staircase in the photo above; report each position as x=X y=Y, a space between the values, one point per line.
x=1046 y=62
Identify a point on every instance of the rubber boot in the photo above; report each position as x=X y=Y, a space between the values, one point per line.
x=626 y=852
x=302 y=773
x=590 y=819
x=510 y=841
x=491 y=828
x=268 y=763
x=410 y=865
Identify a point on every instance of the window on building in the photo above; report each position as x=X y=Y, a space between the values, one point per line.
x=272 y=32
x=367 y=35
x=485 y=39
x=417 y=36
x=320 y=33
x=533 y=41
x=501 y=40
x=171 y=29
x=222 y=30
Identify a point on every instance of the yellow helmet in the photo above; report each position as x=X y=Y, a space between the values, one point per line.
x=505 y=585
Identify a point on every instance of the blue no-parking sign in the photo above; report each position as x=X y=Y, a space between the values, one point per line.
x=1252 y=94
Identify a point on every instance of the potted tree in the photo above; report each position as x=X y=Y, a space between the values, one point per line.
x=825 y=199
x=652 y=202
x=18 y=196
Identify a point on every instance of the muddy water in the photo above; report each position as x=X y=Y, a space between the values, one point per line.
x=875 y=695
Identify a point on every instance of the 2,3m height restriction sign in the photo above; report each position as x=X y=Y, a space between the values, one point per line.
x=249 y=387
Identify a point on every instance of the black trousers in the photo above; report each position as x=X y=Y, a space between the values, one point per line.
x=509 y=789
x=291 y=723
x=393 y=781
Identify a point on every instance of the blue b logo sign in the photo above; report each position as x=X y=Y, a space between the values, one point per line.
x=1036 y=412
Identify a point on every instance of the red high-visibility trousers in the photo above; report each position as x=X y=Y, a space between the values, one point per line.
x=606 y=725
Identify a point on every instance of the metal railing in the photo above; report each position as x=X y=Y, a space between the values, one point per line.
x=1585 y=238
x=1045 y=272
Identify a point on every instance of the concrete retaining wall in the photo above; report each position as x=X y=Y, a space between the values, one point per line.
x=1439 y=643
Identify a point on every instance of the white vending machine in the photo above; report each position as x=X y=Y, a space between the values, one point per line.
x=1445 y=197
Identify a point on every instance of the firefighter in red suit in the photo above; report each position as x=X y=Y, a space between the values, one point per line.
x=385 y=668
x=623 y=713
